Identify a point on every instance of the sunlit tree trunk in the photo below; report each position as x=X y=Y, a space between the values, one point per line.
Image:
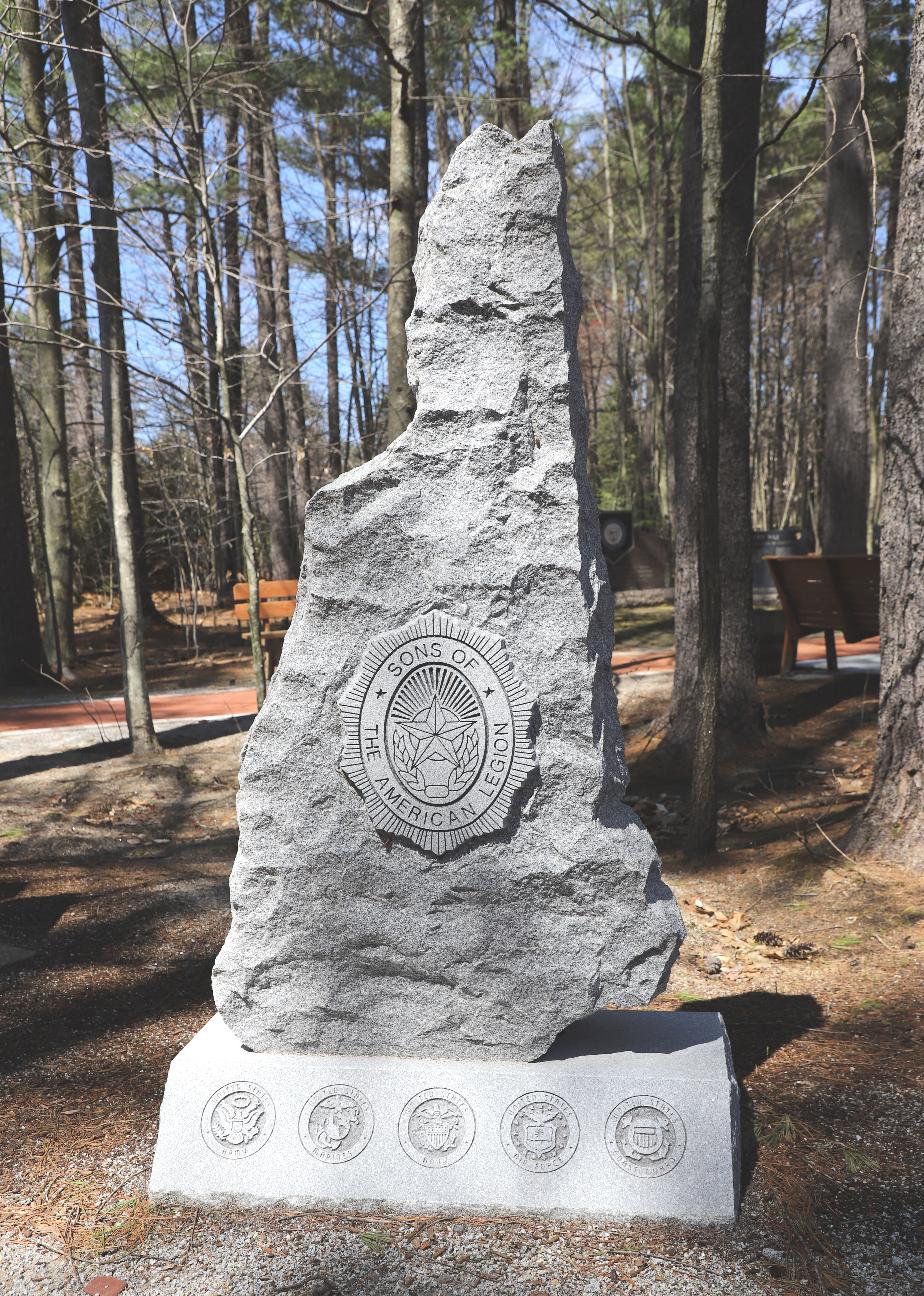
x=884 y=276
x=224 y=287
x=81 y=23
x=226 y=294
x=740 y=715
x=404 y=19
x=440 y=19
x=508 y=71
x=275 y=469
x=293 y=397
x=51 y=440
x=327 y=165
x=82 y=380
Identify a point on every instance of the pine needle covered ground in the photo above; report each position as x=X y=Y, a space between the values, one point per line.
x=115 y=874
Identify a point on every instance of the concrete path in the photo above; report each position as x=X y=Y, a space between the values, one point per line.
x=106 y=712
x=851 y=657
x=104 y=719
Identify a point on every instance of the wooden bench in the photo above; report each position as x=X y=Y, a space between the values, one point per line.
x=826 y=592
x=277 y=604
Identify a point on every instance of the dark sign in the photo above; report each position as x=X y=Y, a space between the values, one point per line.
x=615 y=534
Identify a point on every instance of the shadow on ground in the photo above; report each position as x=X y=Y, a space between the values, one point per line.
x=187 y=735
x=759 y=1023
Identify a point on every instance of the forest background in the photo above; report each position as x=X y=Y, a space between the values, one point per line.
x=208 y=218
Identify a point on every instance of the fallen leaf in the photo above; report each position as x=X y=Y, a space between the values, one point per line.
x=104 y=1285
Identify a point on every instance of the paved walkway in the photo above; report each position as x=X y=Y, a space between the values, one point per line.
x=193 y=705
x=220 y=703
x=858 y=656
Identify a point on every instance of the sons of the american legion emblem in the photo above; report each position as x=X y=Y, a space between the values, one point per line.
x=436 y=732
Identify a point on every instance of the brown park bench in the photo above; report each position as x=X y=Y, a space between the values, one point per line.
x=826 y=592
x=277 y=604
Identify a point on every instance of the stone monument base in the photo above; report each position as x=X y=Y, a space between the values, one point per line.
x=629 y=1114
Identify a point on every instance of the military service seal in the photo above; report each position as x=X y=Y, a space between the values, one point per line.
x=645 y=1136
x=436 y=732
x=437 y=1128
x=540 y=1132
x=336 y=1123
x=237 y=1120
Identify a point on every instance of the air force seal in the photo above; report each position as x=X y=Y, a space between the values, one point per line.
x=436 y=732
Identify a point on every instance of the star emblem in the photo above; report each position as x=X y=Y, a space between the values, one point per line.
x=380 y=693
x=437 y=733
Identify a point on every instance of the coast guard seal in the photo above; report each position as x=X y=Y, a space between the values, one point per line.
x=436 y=732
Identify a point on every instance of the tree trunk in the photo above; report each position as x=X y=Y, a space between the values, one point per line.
x=685 y=692
x=275 y=468
x=20 y=638
x=82 y=383
x=418 y=91
x=81 y=23
x=845 y=463
x=293 y=396
x=703 y=792
x=195 y=319
x=327 y=165
x=885 y=277
x=893 y=822
x=441 y=123
x=226 y=304
x=508 y=80
x=741 y=714
x=404 y=19
x=52 y=455
x=228 y=307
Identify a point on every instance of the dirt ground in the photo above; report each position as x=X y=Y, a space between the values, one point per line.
x=180 y=652
x=115 y=874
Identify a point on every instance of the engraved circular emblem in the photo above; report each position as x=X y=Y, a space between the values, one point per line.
x=540 y=1132
x=645 y=1136
x=336 y=1123
x=437 y=1127
x=436 y=732
x=238 y=1119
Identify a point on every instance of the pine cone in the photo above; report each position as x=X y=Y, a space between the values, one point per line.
x=801 y=950
x=771 y=938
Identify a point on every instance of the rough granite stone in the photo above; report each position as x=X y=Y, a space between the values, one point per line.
x=348 y=940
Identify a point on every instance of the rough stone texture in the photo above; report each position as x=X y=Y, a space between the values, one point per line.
x=345 y=942
x=643 y=1114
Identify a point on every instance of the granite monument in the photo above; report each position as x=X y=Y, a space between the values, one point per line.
x=438 y=883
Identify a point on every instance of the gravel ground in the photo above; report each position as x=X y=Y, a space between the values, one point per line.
x=326 y=1257
x=262 y=1253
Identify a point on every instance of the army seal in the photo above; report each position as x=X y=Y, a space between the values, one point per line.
x=436 y=732
x=237 y=1120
